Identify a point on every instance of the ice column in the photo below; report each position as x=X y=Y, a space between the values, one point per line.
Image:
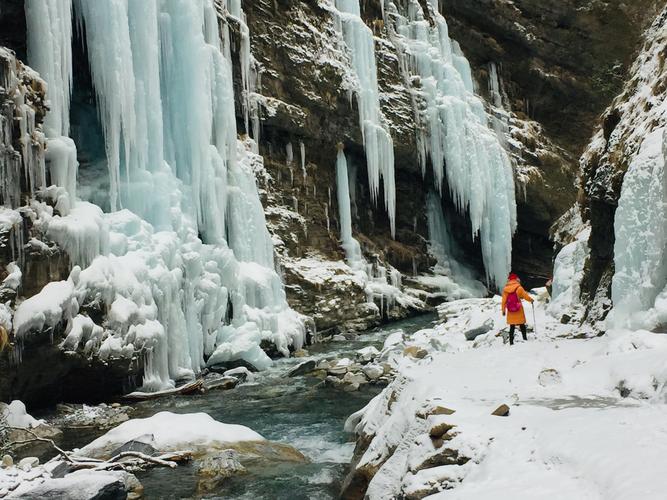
x=454 y=131
x=248 y=78
x=349 y=243
x=49 y=28
x=638 y=288
x=377 y=140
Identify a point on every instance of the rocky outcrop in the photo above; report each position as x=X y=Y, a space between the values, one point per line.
x=562 y=62
x=631 y=117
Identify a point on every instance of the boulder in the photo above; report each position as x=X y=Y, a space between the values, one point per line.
x=241 y=373
x=85 y=485
x=303 y=368
x=355 y=378
x=142 y=444
x=28 y=463
x=439 y=430
x=415 y=352
x=367 y=354
x=502 y=411
x=212 y=471
x=196 y=432
x=7 y=461
x=485 y=327
x=220 y=383
x=435 y=410
x=332 y=381
x=373 y=372
x=323 y=365
x=337 y=370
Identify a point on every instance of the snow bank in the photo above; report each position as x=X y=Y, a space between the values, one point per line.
x=586 y=416
x=167 y=431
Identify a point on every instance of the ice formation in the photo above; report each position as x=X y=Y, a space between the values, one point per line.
x=568 y=274
x=454 y=132
x=378 y=144
x=185 y=268
x=382 y=285
x=639 y=286
x=458 y=281
x=351 y=246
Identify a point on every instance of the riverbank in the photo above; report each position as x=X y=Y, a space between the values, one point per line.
x=563 y=415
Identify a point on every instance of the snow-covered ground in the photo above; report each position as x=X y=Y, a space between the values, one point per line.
x=586 y=414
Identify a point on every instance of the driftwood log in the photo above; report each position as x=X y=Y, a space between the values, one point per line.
x=196 y=387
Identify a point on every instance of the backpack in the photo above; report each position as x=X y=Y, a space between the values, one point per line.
x=513 y=302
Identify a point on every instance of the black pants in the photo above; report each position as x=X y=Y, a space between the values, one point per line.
x=523 y=332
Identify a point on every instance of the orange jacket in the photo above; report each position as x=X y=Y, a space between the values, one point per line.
x=516 y=317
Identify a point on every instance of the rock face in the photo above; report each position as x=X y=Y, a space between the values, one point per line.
x=557 y=67
x=562 y=62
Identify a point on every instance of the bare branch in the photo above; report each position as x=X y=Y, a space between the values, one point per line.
x=35 y=437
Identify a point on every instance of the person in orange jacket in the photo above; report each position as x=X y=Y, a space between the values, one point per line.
x=512 y=306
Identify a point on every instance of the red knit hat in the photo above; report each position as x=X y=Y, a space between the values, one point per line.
x=512 y=277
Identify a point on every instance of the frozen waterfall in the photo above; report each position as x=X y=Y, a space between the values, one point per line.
x=378 y=144
x=639 y=286
x=454 y=132
x=183 y=261
x=453 y=277
x=381 y=285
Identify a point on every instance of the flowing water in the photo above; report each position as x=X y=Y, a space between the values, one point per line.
x=297 y=411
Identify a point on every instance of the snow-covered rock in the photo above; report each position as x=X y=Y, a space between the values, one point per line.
x=84 y=485
x=196 y=431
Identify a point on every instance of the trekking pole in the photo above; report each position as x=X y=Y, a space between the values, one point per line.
x=534 y=321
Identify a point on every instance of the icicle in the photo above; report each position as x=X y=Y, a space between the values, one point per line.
x=49 y=30
x=378 y=144
x=49 y=40
x=444 y=248
x=302 y=149
x=349 y=243
x=326 y=215
x=289 y=153
x=236 y=11
x=494 y=86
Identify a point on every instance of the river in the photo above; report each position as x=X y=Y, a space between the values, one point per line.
x=298 y=411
